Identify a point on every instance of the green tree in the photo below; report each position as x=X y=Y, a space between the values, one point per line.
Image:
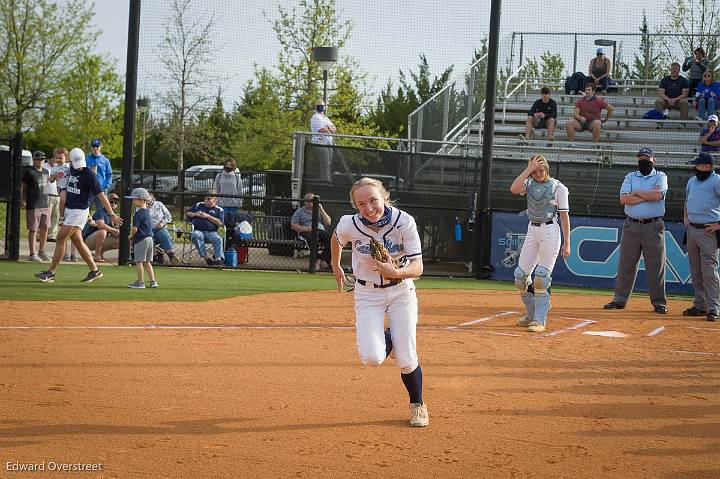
x=186 y=53
x=262 y=126
x=390 y=115
x=648 y=62
x=691 y=24
x=88 y=105
x=34 y=46
x=314 y=23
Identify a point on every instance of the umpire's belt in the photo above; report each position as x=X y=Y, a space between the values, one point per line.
x=538 y=224
x=646 y=220
x=392 y=282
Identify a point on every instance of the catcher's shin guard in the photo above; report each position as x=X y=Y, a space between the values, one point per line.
x=542 y=295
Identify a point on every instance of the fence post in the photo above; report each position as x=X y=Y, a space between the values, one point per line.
x=419 y=138
x=314 y=234
x=575 y=56
x=16 y=184
x=446 y=114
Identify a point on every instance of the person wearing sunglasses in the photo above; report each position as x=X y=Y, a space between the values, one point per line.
x=708 y=95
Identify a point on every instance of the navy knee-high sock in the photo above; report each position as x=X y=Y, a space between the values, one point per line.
x=413 y=384
x=388 y=342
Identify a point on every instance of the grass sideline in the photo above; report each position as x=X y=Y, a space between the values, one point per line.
x=179 y=284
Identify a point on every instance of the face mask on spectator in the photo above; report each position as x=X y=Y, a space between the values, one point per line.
x=645 y=167
x=320 y=108
x=702 y=175
x=228 y=168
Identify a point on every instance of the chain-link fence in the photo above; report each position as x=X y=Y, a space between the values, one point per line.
x=441 y=191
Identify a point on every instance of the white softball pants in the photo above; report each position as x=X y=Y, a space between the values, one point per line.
x=400 y=304
x=541 y=247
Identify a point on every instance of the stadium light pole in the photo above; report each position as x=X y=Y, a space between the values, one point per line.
x=482 y=266
x=609 y=43
x=325 y=57
x=129 y=128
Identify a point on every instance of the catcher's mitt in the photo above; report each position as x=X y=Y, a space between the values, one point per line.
x=380 y=252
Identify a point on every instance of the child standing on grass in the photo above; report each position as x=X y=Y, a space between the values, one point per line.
x=141 y=237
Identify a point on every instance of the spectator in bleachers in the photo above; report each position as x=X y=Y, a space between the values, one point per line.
x=696 y=65
x=708 y=95
x=674 y=90
x=207 y=217
x=587 y=115
x=710 y=135
x=599 y=70
x=160 y=217
x=99 y=234
x=543 y=114
x=301 y=223
x=227 y=182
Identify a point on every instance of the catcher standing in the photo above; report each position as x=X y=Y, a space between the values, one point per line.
x=383 y=287
x=546 y=197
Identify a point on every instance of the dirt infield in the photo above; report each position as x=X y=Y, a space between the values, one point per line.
x=270 y=386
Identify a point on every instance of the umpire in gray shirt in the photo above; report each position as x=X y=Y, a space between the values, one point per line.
x=643 y=195
x=702 y=220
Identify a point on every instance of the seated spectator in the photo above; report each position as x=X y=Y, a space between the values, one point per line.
x=206 y=218
x=160 y=217
x=99 y=235
x=710 y=136
x=588 y=115
x=674 y=91
x=301 y=223
x=543 y=114
x=695 y=65
x=708 y=95
x=599 y=70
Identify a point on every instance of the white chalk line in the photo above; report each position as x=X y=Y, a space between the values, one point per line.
x=488 y=318
x=656 y=331
x=579 y=325
x=701 y=353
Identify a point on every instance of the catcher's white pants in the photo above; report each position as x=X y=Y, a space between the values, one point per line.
x=541 y=247
x=400 y=304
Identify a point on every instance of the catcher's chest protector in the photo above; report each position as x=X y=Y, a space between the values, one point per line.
x=541 y=202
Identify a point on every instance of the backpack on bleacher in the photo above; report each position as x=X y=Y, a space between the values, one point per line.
x=654 y=115
x=575 y=83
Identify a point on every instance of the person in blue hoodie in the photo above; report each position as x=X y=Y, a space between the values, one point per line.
x=708 y=95
x=100 y=164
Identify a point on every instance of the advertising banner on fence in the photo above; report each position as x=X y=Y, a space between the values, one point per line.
x=594 y=254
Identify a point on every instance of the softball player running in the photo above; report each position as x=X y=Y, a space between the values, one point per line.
x=384 y=287
x=546 y=197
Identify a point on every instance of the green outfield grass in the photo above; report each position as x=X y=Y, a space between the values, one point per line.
x=17 y=283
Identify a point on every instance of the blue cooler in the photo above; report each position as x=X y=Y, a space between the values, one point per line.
x=231 y=258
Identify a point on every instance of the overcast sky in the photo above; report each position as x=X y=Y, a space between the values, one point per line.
x=387 y=35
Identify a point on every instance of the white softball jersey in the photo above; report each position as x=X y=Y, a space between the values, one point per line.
x=373 y=303
x=400 y=237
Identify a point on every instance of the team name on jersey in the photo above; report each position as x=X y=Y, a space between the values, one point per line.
x=363 y=248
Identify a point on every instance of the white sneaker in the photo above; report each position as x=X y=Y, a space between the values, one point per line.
x=35 y=258
x=44 y=256
x=419 y=415
x=535 y=327
x=524 y=321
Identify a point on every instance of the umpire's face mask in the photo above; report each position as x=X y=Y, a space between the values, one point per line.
x=645 y=167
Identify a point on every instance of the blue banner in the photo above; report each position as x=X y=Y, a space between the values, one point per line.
x=594 y=253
